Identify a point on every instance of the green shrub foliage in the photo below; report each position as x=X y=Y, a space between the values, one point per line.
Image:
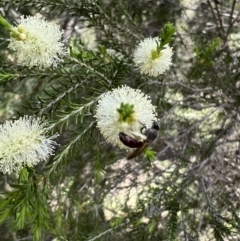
x=88 y=191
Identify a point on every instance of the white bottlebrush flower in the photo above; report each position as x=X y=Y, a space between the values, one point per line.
x=23 y=143
x=37 y=42
x=110 y=121
x=149 y=61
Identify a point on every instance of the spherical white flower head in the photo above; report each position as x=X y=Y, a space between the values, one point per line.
x=108 y=117
x=147 y=59
x=38 y=43
x=23 y=143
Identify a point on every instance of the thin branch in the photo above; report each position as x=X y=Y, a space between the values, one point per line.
x=105 y=232
x=214 y=17
x=231 y=20
x=219 y=19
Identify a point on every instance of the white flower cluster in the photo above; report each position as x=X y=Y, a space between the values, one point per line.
x=37 y=43
x=149 y=61
x=108 y=116
x=23 y=143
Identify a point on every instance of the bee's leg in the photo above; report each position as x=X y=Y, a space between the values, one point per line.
x=139 y=136
x=143 y=126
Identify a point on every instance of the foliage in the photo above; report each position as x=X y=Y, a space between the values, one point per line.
x=88 y=191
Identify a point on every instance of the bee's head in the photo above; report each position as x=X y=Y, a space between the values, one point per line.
x=155 y=125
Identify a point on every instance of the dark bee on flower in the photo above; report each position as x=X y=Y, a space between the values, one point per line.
x=150 y=135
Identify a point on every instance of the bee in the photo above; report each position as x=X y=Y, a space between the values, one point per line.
x=149 y=135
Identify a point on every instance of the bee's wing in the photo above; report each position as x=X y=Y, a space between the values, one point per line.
x=138 y=151
x=151 y=135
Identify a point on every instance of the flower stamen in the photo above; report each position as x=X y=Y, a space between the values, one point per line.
x=24 y=143
x=151 y=59
x=37 y=43
x=123 y=110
